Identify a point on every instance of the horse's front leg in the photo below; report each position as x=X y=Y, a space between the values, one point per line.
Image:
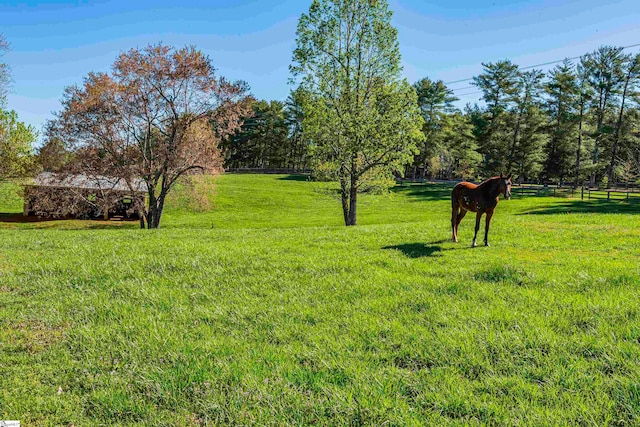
x=486 y=227
x=475 y=236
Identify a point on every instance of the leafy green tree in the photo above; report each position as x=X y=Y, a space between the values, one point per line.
x=629 y=168
x=16 y=137
x=266 y=135
x=460 y=147
x=631 y=69
x=240 y=149
x=501 y=84
x=298 y=142
x=16 y=146
x=561 y=106
x=511 y=136
x=270 y=137
x=585 y=95
x=604 y=68
x=273 y=132
x=528 y=134
x=362 y=117
x=479 y=120
x=53 y=155
x=436 y=103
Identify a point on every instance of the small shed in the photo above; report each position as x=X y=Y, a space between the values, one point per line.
x=83 y=197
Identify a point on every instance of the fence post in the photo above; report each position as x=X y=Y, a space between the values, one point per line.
x=582 y=193
x=608 y=195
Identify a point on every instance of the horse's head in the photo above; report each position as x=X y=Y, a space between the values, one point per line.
x=504 y=186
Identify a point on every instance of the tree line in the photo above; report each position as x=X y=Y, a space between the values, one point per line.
x=578 y=123
x=271 y=137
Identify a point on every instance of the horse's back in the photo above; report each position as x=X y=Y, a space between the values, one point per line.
x=462 y=185
x=467 y=185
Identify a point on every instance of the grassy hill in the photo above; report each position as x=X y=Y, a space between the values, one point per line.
x=265 y=310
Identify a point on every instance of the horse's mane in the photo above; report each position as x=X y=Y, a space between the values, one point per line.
x=489 y=181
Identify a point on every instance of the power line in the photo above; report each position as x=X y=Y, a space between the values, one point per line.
x=530 y=66
x=464 y=88
x=471 y=93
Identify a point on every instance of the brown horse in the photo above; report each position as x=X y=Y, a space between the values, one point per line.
x=481 y=199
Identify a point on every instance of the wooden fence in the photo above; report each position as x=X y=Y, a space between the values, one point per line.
x=630 y=194
x=610 y=195
x=277 y=171
x=585 y=193
x=404 y=182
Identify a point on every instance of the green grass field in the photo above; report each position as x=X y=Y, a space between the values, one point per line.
x=265 y=310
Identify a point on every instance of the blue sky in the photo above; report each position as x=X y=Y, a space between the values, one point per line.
x=56 y=43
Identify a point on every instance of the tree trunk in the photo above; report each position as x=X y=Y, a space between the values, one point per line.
x=353 y=199
x=344 y=192
x=578 y=152
x=148 y=216
x=156 y=214
x=349 y=196
x=592 y=180
x=514 y=142
x=423 y=174
x=614 y=149
x=602 y=105
x=153 y=221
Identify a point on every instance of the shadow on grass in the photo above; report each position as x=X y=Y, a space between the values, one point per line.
x=417 y=250
x=66 y=223
x=294 y=177
x=423 y=192
x=583 y=206
x=430 y=249
x=110 y=225
x=19 y=218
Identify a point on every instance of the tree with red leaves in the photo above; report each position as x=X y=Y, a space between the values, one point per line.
x=158 y=116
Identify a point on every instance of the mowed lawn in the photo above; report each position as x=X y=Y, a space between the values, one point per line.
x=264 y=310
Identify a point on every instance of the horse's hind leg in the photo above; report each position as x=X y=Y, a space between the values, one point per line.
x=461 y=215
x=455 y=211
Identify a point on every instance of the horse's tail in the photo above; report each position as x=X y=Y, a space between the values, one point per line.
x=454 y=200
x=454 y=195
x=454 y=211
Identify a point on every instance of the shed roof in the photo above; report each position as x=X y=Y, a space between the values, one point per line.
x=98 y=182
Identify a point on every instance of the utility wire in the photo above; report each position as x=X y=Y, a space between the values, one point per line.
x=530 y=66
x=471 y=93
x=463 y=88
